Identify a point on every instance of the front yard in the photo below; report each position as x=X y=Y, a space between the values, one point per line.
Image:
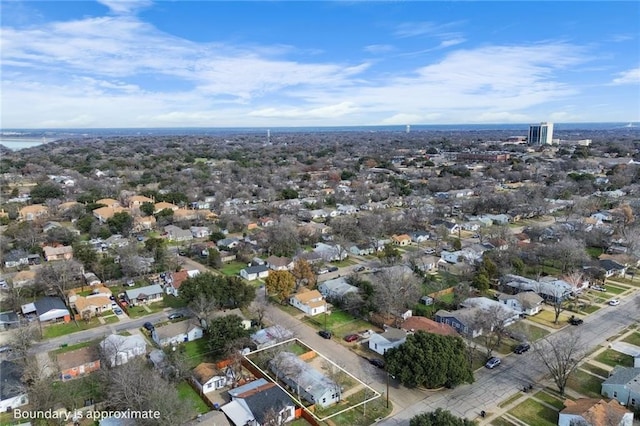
x=339 y=322
x=585 y=383
x=613 y=358
x=362 y=415
x=62 y=329
x=547 y=317
x=532 y=332
x=533 y=412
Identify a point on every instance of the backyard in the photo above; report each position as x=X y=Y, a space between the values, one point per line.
x=187 y=394
x=233 y=268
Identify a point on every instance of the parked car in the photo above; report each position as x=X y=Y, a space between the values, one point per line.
x=360 y=268
x=333 y=268
x=176 y=316
x=575 y=321
x=522 y=348
x=118 y=311
x=325 y=333
x=377 y=362
x=130 y=283
x=493 y=362
x=323 y=271
x=148 y=326
x=351 y=337
x=614 y=302
x=598 y=288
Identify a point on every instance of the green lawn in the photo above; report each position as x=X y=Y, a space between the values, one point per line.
x=595 y=370
x=590 y=309
x=173 y=302
x=547 y=316
x=196 y=350
x=233 y=268
x=343 y=263
x=139 y=311
x=594 y=252
x=550 y=399
x=501 y=422
x=57 y=330
x=190 y=396
x=615 y=290
x=363 y=415
x=633 y=338
x=534 y=413
x=613 y=358
x=585 y=383
x=532 y=332
x=339 y=322
x=111 y=319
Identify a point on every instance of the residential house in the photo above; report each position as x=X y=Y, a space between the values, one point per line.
x=419 y=236
x=16 y=258
x=143 y=223
x=187 y=214
x=311 y=302
x=526 y=302
x=57 y=253
x=158 y=207
x=137 y=200
x=331 y=253
x=177 y=332
x=623 y=385
x=265 y=222
x=414 y=324
x=305 y=381
x=175 y=233
x=208 y=377
x=451 y=227
x=227 y=256
x=176 y=279
x=391 y=338
x=13 y=392
x=277 y=263
x=362 y=249
x=33 y=212
x=109 y=202
x=91 y=279
x=8 y=320
x=611 y=268
x=47 y=309
x=402 y=240
x=91 y=305
x=311 y=257
x=255 y=272
x=228 y=242
x=105 y=213
x=336 y=288
x=594 y=412
x=51 y=225
x=505 y=313
x=119 y=350
x=78 y=362
x=425 y=263
x=261 y=404
x=271 y=336
x=144 y=295
x=550 y=289
x=463 y=320
x=200 y=231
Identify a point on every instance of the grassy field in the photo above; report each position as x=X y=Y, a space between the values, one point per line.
x=532 y=332
x=615 y=290
x=595 y=370
x=535 y=413
x=501 y=422
x=613 y=358
x=233 y=268
x=57 y=330
x=590 y=309
x=173 y=302
x=511 y=399
x=547 y=316
x=140 y=311
x=363 y=415
x=74 y=347
x=550 y=399
x=111 y=319
x=190 y=396
x=633 y=338
x=338 y=322
x=585 y=383
x=195 y=350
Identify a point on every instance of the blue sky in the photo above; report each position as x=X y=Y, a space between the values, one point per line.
x=239 y=63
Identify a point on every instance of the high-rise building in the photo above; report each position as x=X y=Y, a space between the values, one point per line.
x=540 y=134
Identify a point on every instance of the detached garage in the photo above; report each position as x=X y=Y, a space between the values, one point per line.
x=48 y=309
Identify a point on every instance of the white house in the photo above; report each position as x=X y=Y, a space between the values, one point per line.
x=255 y=272
x=119 y=350
x=270 y=336
x=527 y=302
x=391 y=338
x=310 y=302
x=505 y=313
x=331 y=253
x=336 y=288
x=177 y=332
x=13 y=392
x=208 y=377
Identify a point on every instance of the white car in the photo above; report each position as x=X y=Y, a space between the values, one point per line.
x=614 y=302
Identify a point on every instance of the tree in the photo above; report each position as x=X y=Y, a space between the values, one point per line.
x=121 y=223
x=203 y=306
x=60 y=276
x=560 y=356
x=303 y=274
x=282 y=238
x=390 y=255
x=439 y=417
x=280 y=284
x=84 y=253
x=157 y=247
x=395 y=289
x=45 y=191
x=492 y=323
x=227 y=292
x=430 y=360
x=148 y=208
x=214 y=259
x=223 y=331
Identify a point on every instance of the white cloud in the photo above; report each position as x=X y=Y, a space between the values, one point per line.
x=631 y=76
x=415 y=29
x=329 y=111
x=452 y=42
x=377 y=49
x=123 y=7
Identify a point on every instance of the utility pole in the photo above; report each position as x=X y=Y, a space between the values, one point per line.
x=387 y=389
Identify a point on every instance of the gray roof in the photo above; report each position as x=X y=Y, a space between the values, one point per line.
x=175 y=329
x=47 y=304
x=628 y=376
x=305 y=376
x=247 y=387
x=9 y=317
x=148 y=290
x=256 y=269
x=11 y=380
x=260 y=403
x=338 y=286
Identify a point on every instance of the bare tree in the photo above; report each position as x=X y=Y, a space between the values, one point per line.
x=22 y=339
x=493 y=322
x=203 y=306
x=396 y=288
x=560 y=356
x=60 y=276
x=258 y=309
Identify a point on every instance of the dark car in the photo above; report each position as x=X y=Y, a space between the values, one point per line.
x=176 y=316
x=148 y=326
x=522 y=348
x=325 y=333
x=575 y=321
x=360 y=268
x=377 y=362
x=333 y=268
x=351 y=337
x=493 y=362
